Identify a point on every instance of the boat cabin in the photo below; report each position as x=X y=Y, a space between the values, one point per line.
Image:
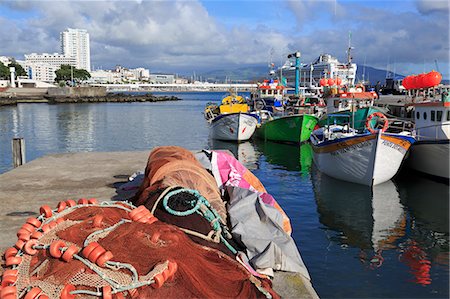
x=432 y=120
x=271 y=89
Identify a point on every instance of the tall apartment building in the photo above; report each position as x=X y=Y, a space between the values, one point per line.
x=75 y=43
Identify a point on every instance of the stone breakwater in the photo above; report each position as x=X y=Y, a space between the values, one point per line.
x=113 y=98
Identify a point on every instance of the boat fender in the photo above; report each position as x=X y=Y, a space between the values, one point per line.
x=381 y=117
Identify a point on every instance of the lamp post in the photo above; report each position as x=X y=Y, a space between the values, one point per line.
x=297 y=70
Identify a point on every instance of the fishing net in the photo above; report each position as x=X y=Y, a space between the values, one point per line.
x=115 y=250
x=173 y=166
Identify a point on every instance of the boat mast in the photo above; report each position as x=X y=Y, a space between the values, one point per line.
x=349 y=56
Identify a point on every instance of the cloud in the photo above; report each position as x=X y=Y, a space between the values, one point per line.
x=427 y=7
x=381 y=36
x=182 y=36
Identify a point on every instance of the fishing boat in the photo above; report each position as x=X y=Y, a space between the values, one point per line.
x=284 y=119
x=231 y=121
x=430 y=154
x=295 y=128
x=351 y=101
x=369 y=158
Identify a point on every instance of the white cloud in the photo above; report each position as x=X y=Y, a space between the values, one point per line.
x=433 y=6
x=182 y=35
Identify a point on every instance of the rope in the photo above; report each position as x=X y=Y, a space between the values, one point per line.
x=202 y=207
x=155 y=205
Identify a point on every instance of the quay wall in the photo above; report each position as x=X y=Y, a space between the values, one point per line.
x=77 y=92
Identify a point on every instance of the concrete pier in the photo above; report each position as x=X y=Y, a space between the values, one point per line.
x=53 y=178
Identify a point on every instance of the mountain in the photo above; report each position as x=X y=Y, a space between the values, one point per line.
x=238 y=75
x=373 y=75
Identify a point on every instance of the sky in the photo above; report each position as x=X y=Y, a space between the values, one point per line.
x=186 y=36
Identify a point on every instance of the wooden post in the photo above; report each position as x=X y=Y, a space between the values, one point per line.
x=18 y=151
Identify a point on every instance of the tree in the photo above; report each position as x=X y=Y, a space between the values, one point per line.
x=65 y=74
x=6 y=74
x=19 y=69
x=4 y=71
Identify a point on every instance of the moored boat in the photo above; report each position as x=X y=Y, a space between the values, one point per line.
x=294 y=128
x=368 y=158
x=284 y=119
x=231 y=121
x=431 y=153
x=353 y=101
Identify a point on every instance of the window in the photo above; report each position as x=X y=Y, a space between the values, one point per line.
x=424 y=115
x=418 y=115
x=439 y=116
x=433 y=115
x=448 y=115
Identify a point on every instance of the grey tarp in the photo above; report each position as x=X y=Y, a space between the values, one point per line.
x=259 y=227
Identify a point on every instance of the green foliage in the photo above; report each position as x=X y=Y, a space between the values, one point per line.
x=19 y=69
x=6 y=74
x=65 y=74
x=4 y=71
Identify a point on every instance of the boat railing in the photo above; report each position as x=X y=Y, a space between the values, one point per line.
x=441 y=131
x=397 y=125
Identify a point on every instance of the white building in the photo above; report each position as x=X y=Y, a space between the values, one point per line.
x=75 y=43
x=101 y=76
x=42 y=67
x=141 y=73
x=54 y=59
x=161 y=79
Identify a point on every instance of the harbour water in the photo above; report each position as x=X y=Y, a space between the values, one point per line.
x=391 y=241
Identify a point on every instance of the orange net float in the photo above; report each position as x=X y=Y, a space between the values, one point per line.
x=121 y=259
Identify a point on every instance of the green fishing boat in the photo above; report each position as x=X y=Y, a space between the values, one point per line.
x=295 y=128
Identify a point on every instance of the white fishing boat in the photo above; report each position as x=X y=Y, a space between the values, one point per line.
x=230 y=121
x=368 y=158
x=430 y=154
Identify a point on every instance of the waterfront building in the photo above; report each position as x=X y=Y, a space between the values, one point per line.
x=161 y=79
x=75 y=43
x=102 y=76
x=42 y=67
x=141 y=74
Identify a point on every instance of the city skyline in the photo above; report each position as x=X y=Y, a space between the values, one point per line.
x=407 y=37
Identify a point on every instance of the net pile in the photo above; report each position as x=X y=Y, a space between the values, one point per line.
x=172 y=168
x=115 y=250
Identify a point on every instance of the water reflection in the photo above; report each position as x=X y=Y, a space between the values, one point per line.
x=428 y=244
x=243 y=151
x=288 y=156
x=390 y=217
x=369 y=218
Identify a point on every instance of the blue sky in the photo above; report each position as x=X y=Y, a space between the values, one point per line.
x=189 y=35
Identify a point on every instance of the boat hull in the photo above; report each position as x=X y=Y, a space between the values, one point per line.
x=233 y=126
x=291 y=129
x=431 y=157
x=367 y=159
